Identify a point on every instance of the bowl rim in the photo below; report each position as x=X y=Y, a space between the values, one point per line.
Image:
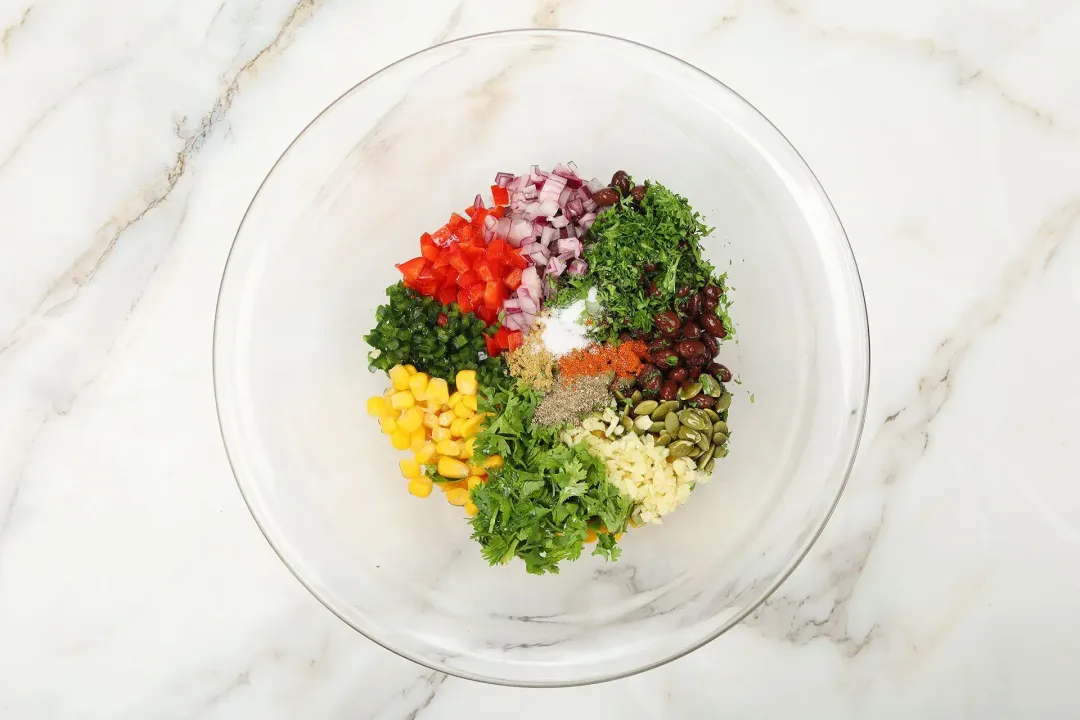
x=780 y=578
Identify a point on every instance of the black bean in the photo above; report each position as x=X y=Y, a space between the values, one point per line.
x=702 y=401
x=654 y=290
x=683 y=291
x=678 y=375
x=709 y=305
x=690 y=349
x=722 y=372
x=713 y=325
x=712 y=346
x=669 y=390
x=668 y=323
x=712 y=292
x=638 y=193
x=605 y=196
x=693 y=308
x=691 y=330
x=695 y=373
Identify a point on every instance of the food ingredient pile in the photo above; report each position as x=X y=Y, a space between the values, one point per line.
x=551 y=363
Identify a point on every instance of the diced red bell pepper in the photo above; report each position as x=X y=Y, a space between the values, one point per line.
x=514 y=258
x=486 y=314
x=475 y=294
x=468 y=279
x=497 y=249
x=458 y=261
x=493 y=349
x=463 y=301
x=515 y=340
x=502 y=337
x=513 y=278
x=442 y=235
x=471 y=253
x=498 y=212
x=488 y=270
x=410 y=269
x=494 y=295
x=446 y=294
x=443 y=319
x=445 y=256
x=471 y=212
x=428 y=248
x=500 y=195
x=456 y=222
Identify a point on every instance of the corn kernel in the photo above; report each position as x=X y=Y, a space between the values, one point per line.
x=388 y=393
x=472 y=426
x=376 y=406
x=388 y=425
x=452 y=468
x=411 y=419
x=466 y=382
x=418 y=386
x=478 y=471
x=434 y=407
x=454 y=400
x=425 y=454
x=469 y=401
x=455 y=427
x=419 y=437
x=462 y=411
x=618 y=536
x=438 y=390
x=400 y=439
x=590 y=536
x=493 y=461
x=431 y=421
x=471 y=509
x=457 y=496
x=399 y=377
x=447 y=418
x=440 y=433
x=411 y=369
x=409 y=468
x=448 y=447
x=473 y=481
x=421 y=486
x=469 y=446
x=402 y=400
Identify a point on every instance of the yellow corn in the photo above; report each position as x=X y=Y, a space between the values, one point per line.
x=462 y=410
x=478 y=471
x=438 y=390
x=472 y=426
x=454 y=400
x=493 y=461
x=399 y=377
x=452 y=468
x=418 y=386
x=411 y=419
x=431 y=421
x=402 y=400
x=440 y=433
x=469 y=401
x=457 y=496
x=473 y=481
x=376 y=406
x=448 y=447
x=469 y=446
x=411 y=369
x=426 y=454
x=419 y=437
x=388 y=425
x=471 y=509
x=455 y=427
x=466 y=382
x=590 y=536
x=446 y=419
x=409 y=468
x=400 y=439
x=421 y=486
x=618 y=536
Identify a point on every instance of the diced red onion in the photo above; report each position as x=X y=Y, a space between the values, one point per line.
x=555 y=266
x=577 y=267
x=503 y=179
x=502 y=227
x=559 y=222
x=478 y=203
x=570 y=245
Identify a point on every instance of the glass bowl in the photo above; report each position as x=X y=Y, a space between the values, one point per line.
x=390 y=159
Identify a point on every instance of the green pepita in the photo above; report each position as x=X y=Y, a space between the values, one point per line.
x=681 y=448
x=692 y=419
x=690 y=391
x=719 y=438
x=712 y=415
x=671 y=423
x=697 y=452
x=646 y=407
x=724 y=401
x=719 y=426
x=686 y=433
x=708 y=467
x=710 y=386
x=626 y=422
x=664 y=440
x=706 y=457
x=636 y=397
x=663 y=409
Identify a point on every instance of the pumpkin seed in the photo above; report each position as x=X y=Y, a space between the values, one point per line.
x=681 y=448
x=697 y=452
x=662 y=411
x=692 y=419
x=686 y=433
x=664 y=440
x=671 y=423
x=690 y=391
x=636 y=397
x=646 y=407
x=720 y=426
x=626 y=422
x=712 y=415
x=719 y=438
x=724 y=401
x=705 y=442
x=710 y=386
x=619 y=396
x=708 y=467
x=706 y=457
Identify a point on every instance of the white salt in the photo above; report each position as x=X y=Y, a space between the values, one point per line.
x=564 y=330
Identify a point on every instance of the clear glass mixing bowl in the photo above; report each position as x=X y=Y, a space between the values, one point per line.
x=391 y=158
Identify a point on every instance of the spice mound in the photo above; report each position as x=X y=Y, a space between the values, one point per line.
x=573 y=398
x=533 y=363
x=624 y=360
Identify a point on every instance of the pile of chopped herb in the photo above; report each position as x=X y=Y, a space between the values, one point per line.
x=642 y=255
x=437 y=339
x=538 y=506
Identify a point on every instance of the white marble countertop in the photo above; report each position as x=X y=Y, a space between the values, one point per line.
x=133 y=581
